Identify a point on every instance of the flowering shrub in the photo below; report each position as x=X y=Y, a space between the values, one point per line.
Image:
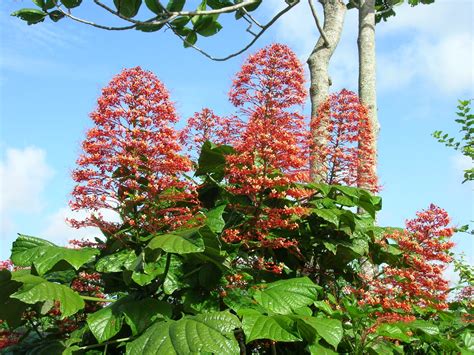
x=131 y=162
x=243 y=256
x=347 y=157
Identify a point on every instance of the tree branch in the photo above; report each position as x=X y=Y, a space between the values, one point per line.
x=257 y=36
x=318 y=25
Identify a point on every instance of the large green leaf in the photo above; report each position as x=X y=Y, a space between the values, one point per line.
x=106 y=322
x=392 y=331
x=329 y=215
x=426 y=327
x=116 y=262
x=329 y=329
x=174 y=277
x=11 y=309
x=36 y=289
x=276 y=327
x=285 y=296
x=179 y=242
x=140 y=314
x=209 y=332
x=318 y=349
x=212 y=159
x=214 y=219
x=43 y=255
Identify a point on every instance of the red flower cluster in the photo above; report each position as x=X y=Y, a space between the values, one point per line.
x=131 y=162
x=420 y=281
x=6 y=265
x=206 y=126
x=7 y=337
x=347 y=158
x=271 y=154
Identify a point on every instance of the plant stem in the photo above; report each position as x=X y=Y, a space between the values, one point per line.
x=104 y=344
x=274 y=350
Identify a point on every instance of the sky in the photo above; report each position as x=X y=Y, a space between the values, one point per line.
x=51 y=75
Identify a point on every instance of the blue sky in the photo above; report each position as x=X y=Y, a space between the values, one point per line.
x=51 y=76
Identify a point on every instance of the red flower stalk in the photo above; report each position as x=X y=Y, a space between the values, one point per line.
x=131 y=162
x=270 y=155
x=347 y=156
x=420 y=281
x=206 y=126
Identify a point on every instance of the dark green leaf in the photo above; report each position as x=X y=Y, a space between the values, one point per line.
x=71 y=3
x=209 y=332
x=175 y=5
x=128 y=8
x=190 y=40
x=140 y=314
x=329 y=329
x=154 y=6
x=148 y=27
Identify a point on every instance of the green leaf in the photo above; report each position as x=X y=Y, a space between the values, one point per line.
x=154 y=6
x=277 y=327
x=35 y=289
x=214 y=220
x=426 y=327
x=11 y=309
x=116 y=262
x=180 y=22
x=140 y=314
x=318 y=349
x=175 y=5
x=329 y=329
x=209 y=332
x=328 y=215
x=44 y=4
x=128 y=8
x=212 y=159
x=56 y=15
x=148 y=27
x=174 y=277
x=392 y=331
x=179 y=242
x=207 y=27
x=71 y=3
x=190 y=40
x=219 y=4
x=323 y=306
x=105 y=323
x=285 y=296
x=43 y=255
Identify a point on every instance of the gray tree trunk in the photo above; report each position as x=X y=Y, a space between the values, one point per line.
x=318 y=62
x=367 y=68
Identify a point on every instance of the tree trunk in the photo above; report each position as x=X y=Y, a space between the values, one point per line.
x=318 y=62
x=367 y=71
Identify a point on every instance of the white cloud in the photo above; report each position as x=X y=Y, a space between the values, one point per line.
x=60 y=232
x=461 y=162
x=24 y=174
x=421 y=45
